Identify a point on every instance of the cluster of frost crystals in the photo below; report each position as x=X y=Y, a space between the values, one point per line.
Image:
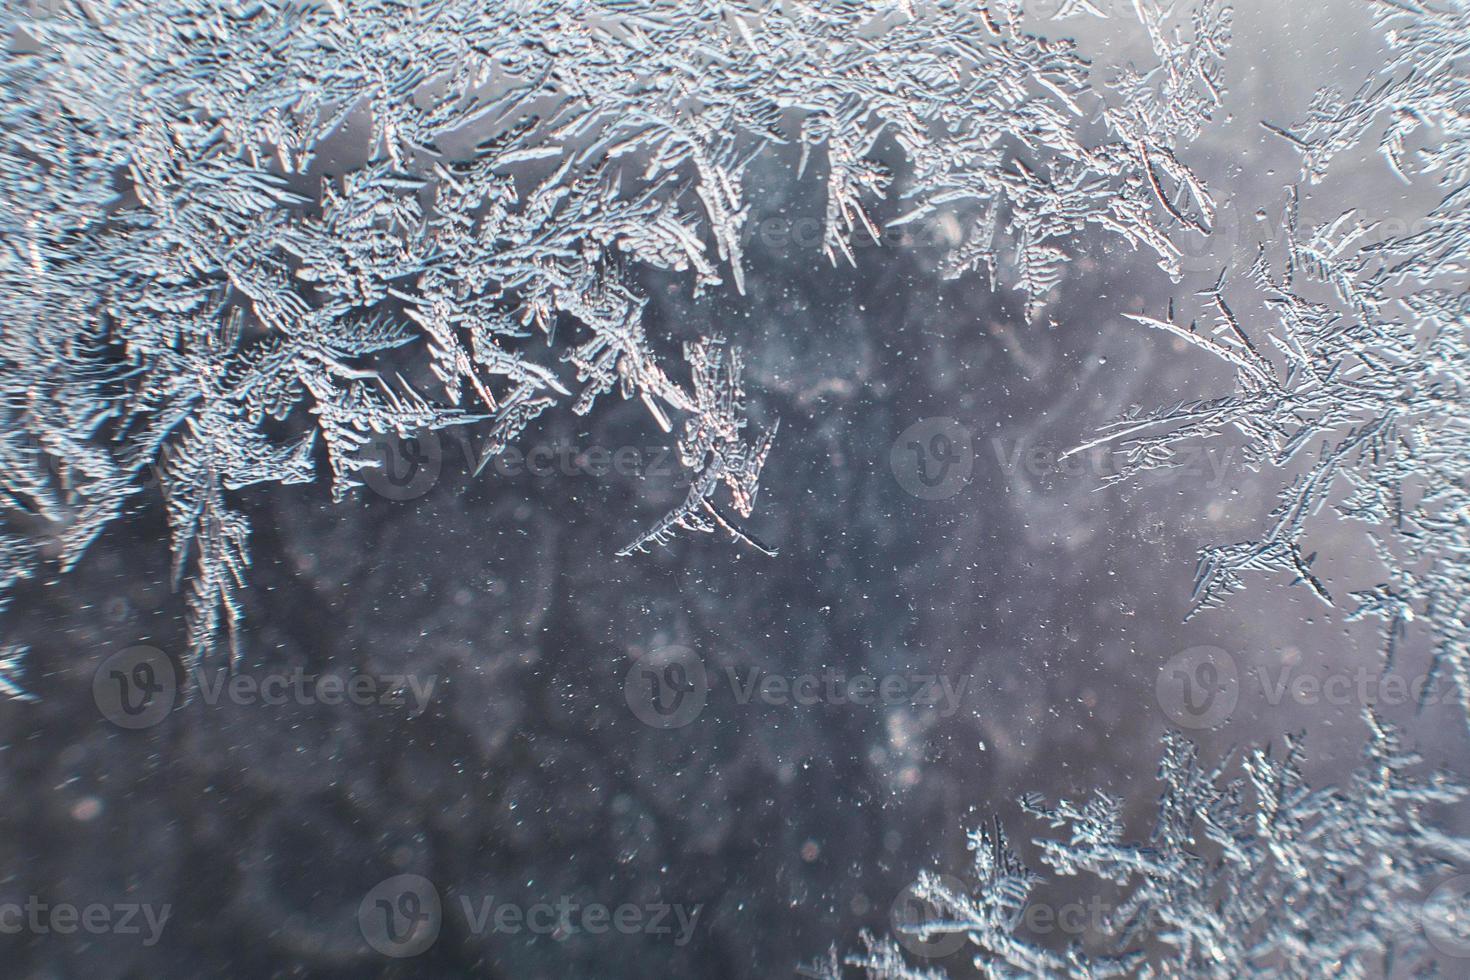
x=1359 y=385
x=233 y=224
x=1022 y=209
x=1250 y=875
x=1421 y=86
x=714 y=451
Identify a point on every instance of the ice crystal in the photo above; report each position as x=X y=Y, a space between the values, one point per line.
x=1359 y=388
x=238 y=228
x=1256 y=874
x=11 y=657
x=713 y=450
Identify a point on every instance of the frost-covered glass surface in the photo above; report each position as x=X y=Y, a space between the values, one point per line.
x=863 y=488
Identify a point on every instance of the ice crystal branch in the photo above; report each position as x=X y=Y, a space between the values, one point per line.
x=1358 y=388
x=1249 y=875
x=11 y=658
x=713 y=450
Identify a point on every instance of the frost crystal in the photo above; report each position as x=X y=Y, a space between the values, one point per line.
x=713 y=450
x=10 y=662
x=234 y=224
x=1360 y=388
x=1253 y=875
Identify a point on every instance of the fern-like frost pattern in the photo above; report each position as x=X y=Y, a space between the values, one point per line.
x=240 y=229
x=1255 y=874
